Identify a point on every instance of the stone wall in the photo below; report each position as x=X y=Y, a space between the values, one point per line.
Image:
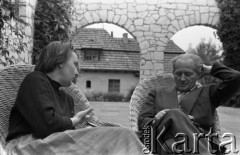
x=26 y=12
x=22 y=42
x=167 y=61
x=151 y=22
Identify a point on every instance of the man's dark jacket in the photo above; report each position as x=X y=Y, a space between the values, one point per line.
x=200 y=103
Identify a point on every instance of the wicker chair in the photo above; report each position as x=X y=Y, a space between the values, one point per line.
x=140 y=96
x=10 y=80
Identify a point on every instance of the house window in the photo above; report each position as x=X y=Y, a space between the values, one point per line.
x=91 y=55
x=88 y=84
x=114 y=86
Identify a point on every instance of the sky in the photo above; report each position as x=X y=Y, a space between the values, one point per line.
x=117 y=31
x=183 y=38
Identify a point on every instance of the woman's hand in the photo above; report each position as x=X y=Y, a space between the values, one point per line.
x=80 y=116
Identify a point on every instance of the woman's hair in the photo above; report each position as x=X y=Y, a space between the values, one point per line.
x=52 y=55
x=197 y=61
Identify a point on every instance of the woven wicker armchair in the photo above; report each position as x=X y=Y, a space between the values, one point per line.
x=10 y=80
x=140 y=96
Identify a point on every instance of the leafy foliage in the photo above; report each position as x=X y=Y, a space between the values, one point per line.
x=6 y=11
x=113 y=97
x=105 y=96
x=11 y=42
x=228 y=31
x=51 y=23
x=209 y=53
x=129 y=94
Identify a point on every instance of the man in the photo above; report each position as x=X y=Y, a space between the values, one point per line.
x=186 y=108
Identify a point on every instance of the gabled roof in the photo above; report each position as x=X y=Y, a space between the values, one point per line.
x=115 y=55
x=173 y=48
x=114 y=61
x=101 y=39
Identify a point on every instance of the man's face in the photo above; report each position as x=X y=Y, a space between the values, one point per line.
x=69 y=69
x=185 y=75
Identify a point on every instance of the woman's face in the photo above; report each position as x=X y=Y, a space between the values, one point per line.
x=69 y=69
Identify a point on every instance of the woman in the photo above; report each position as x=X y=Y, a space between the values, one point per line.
x=42 y=119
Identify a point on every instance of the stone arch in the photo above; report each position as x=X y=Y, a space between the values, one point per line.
x=211 y=19
x=88 y=19
x=152 y=23
x=168 y=56
x=107 y=22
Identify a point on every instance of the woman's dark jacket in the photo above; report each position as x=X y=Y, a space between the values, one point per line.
x=40 y=108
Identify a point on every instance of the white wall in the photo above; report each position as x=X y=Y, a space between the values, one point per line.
x=99 y=81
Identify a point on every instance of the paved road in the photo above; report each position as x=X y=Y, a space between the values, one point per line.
x=118 y=112
x=230 y=123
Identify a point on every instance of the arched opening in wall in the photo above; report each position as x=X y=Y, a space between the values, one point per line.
x=200 y=40
x=109 y=57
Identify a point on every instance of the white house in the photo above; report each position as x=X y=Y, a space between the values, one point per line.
x=111 y=64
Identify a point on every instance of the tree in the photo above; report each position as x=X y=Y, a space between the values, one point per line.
x=51 y=23
x=208 y=52
x=228 y=32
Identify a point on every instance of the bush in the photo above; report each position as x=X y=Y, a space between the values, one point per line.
x=94 y=96
x=228 y=31
x=116 y=97
x=129 y=94
x=234 y=101
x=101 y=96
x=51 y=23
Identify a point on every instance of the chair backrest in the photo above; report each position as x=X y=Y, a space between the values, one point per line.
x=140 y=96
x=10 y=79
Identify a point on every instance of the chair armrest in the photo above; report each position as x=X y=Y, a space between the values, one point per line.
x=82 y=103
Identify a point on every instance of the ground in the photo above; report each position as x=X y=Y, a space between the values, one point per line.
x=118 y=112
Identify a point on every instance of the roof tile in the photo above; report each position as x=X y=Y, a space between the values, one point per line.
x=100 y=38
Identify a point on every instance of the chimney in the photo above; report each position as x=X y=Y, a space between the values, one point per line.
x=112 y=33
x=125 y=38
